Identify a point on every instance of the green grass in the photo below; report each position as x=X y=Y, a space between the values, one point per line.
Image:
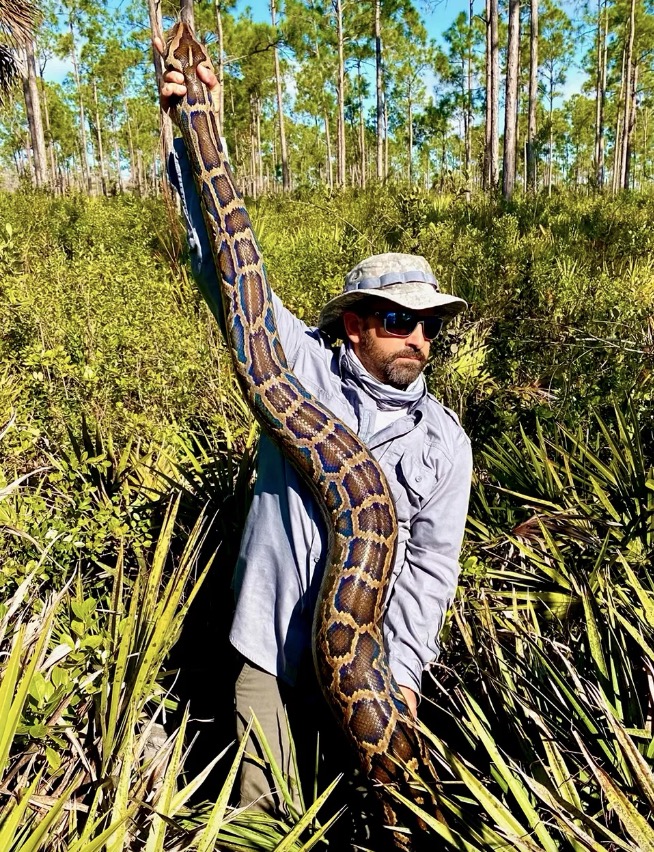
x=126 y=469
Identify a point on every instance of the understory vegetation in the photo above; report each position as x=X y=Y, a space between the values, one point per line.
x=126 y=465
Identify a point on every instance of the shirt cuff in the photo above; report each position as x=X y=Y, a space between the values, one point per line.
x=405 y=675
x=202 y=264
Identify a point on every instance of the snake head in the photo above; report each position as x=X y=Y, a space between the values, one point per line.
x=184 y=53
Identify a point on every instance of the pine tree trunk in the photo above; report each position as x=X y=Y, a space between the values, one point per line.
x=119 y=176
x=139 y=172
x=259 y=145
x=220 y=68
x=617 y=149
x=410 y=119
x=86 y=174
x=253 y=148
x=468 y=102
x=533 y=96
x=52 y=157
x=495 y=95
x=379 y=85
x=385 y=139
x=165 y=123
x=130 y=144
x=511 y=101
x=340 y=95
x=186 y=13
x=328 y=143
x=631 y=129
x=550 y=147
x=600 y=92
x=362 y=143
x=286 y=175
x=628 y=99
x=644 y=173
x=486 y=180
x=98 y=131
x=29 y=159
x=464 y=117
x=362 y=130
x=34 y=119
x=519 y=146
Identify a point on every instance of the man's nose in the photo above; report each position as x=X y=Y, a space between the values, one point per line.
x=417 y=336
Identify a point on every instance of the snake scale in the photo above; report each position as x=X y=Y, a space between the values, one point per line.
x=349 y=485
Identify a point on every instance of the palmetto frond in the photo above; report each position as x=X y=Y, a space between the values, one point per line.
x=17 y=20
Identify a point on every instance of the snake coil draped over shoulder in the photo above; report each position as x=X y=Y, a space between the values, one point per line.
x=349 y=485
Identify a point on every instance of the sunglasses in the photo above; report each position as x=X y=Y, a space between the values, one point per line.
x=403 y=323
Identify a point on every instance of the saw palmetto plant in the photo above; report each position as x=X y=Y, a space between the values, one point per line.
x=540 y=711
x=546 y=694
x=17 y=21
x=88 y=759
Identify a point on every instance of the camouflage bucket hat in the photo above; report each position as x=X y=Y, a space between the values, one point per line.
x=405 y=279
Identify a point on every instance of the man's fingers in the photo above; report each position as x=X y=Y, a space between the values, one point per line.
x=411 y=700
x=169 y=90
x=205 y=73
x=174 y=77
x=207 y=76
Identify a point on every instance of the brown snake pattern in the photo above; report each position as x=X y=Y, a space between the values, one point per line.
x=352 y=491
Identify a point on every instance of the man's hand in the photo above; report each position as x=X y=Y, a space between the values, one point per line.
x=411 y=699
x=173 y=81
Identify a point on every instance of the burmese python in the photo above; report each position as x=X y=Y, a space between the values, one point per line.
x=352 y=491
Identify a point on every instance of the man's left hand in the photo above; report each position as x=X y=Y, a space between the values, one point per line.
x=411 y=700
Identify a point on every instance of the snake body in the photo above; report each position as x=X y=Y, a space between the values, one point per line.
x=348 y=483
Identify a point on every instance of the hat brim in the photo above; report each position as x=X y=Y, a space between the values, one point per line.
x=415 y=296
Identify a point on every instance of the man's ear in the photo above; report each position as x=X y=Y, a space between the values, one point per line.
x=352 y=324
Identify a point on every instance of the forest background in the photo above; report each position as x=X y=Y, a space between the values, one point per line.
x=127 y=456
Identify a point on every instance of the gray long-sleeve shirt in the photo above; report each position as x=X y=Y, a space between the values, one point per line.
x=427 y=460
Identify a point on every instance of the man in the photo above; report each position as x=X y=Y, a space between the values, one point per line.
x=390 y=311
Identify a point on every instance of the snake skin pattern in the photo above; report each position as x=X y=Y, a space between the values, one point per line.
x=352 y=491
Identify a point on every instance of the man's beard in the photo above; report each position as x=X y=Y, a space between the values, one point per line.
x=398 y=375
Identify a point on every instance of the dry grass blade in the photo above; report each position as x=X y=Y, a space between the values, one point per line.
x=207 y=837
x=574 y=819
x=480 y=726
x=641 y=770
x=13 y=692
x=157 y=833
x=282 y=783
x=634 y=822
x=439 y=828
x=501 y=815
x=13 y=819
x=289 y=842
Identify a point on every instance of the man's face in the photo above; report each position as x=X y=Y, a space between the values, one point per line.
x=396 y=361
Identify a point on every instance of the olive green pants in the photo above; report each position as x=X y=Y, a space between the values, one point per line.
x=257 y=692
x=321 y=754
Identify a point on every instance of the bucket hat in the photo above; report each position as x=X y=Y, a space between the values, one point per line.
x=405 y=279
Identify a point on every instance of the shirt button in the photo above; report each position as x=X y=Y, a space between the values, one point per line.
x=418 y=478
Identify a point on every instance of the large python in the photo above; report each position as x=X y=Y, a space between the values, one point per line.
x=351 y=489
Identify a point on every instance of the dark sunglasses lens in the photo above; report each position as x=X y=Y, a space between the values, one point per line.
x=432 y=327
x=402 y=324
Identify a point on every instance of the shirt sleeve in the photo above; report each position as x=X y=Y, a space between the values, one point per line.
x=427 y=581
x=292 y=331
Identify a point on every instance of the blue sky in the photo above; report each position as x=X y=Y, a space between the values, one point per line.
x=437 y=16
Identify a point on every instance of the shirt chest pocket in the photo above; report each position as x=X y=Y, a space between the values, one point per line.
x=410 y=486
x=416 y=480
